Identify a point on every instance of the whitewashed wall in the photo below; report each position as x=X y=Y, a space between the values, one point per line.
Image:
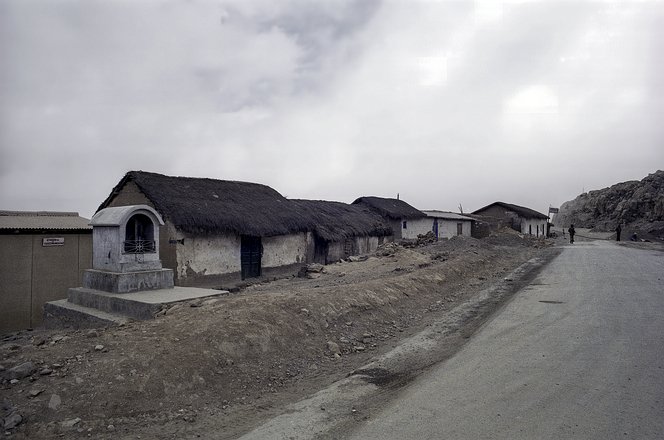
x=448 y=228
x=208 y=255
x=283 y=250
x=416 y=227
x=530 y=226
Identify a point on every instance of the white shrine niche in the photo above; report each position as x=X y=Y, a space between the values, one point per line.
x=125 y=251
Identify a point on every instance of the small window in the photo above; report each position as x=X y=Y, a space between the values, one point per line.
x=405 y=224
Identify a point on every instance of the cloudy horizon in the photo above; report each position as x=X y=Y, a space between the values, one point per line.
x=444 y=103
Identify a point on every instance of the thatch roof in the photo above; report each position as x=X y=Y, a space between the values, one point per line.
x=394 y=209
x=335 y=221
x=520 y=210
x=200 y=205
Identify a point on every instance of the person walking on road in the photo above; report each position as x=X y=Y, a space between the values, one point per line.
x=618 y=231
x=571 y=234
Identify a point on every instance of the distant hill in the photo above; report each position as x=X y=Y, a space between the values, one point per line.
x=637 y=205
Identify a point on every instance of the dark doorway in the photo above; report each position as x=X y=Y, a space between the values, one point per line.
x=349 y=248
x=320 y=250
x=459 y=228
x=251 y=251
x=435 y=228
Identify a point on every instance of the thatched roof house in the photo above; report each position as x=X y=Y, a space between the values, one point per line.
x=196 y=205
x=336 y=221
x=341 y=230
x=406 y=221
x=393 y=209
x=219 y=230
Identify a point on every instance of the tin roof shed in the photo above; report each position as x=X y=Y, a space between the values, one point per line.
x=43 y=220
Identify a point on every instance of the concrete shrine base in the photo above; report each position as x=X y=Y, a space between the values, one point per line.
x=87 y=308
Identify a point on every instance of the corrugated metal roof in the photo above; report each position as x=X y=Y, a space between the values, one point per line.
x=447 y=215
x=31 y=220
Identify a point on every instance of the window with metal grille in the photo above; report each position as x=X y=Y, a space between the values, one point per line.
x=139 y=235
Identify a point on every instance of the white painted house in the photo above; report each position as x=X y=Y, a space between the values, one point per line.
x=449 y=224
x=218 y=232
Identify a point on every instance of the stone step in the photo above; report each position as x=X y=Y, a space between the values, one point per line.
x=94 y=308
x=62 y=313
x=116 y=303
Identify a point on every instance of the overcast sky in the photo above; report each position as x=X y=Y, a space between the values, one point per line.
x=443 y=102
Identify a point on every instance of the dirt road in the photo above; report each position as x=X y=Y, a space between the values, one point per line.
x=222 y=367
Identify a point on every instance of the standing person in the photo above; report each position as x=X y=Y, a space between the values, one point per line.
x=618 y=231
x=571 y=234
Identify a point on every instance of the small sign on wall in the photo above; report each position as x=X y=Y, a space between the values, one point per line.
x=53 y=241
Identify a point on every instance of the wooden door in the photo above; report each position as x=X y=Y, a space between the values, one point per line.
x=251 y=251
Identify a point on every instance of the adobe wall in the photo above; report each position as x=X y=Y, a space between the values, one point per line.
x=416 y=227
x=448 y=228
x=284 y=250
x=206 y=255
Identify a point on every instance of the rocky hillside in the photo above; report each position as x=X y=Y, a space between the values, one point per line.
x=637 y=205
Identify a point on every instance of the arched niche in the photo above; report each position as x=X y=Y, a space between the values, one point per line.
x=139 y=235
x=126 y=239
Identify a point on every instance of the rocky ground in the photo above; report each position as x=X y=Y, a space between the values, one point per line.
x=223 y=365
x=638 y=206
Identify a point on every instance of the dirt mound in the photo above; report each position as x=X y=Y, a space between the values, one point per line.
x=224 y=364
x=638 y=206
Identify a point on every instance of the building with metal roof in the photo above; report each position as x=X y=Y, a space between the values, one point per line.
x=42 y=255
x=42 y=220
x=449 y=224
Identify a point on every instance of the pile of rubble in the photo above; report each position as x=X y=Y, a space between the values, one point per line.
x=387 y=249
x=311 y=271
x=422 y=240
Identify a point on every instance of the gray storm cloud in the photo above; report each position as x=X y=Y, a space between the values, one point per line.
x=442 y=102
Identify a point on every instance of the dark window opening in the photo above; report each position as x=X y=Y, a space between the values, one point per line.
x=405 y=224
x=139 y=235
